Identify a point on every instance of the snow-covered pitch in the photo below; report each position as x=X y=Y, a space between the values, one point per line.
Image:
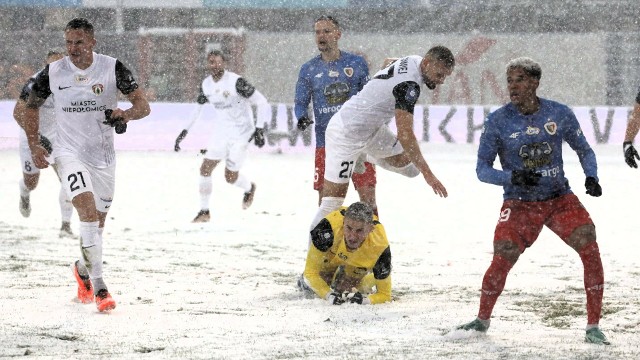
x=226 y=289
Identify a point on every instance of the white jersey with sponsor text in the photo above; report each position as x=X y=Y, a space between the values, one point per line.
x=374 y=106
x=233 y=113
x=81 y=97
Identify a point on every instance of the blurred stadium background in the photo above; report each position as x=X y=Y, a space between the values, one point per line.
x=589 y=50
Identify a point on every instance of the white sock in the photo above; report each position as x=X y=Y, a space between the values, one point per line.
x=24 y=192
x=91 y=248
x=205 y=191
x=243 y=183
x=66 y=207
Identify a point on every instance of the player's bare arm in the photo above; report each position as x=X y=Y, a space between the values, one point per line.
x=404 y=124
x=634 y=124
x=139 y=109
x=31 y=124
x=18 y=112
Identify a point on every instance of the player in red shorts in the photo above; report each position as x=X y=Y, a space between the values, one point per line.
x=527 y=135
x=328 y=80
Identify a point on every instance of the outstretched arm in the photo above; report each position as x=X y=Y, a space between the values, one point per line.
x=406 y=137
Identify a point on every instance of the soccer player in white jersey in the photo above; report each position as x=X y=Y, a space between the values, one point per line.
x=231 y=96
x=359 y=130
x=30 y=173
x=84 y=85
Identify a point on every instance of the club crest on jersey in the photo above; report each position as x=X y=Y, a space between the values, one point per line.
x=348 y=71
x=551 y=127
x=532 y=130
x=97 y=89
x=333 y=73
x=81 y=79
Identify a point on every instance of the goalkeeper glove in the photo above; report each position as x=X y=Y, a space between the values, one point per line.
x=526 y=177
x=258 y=137
x=335 y=298
x=180 y=137
x=304 y=123
x=593 y=188
x=355 y=298
x=630 y=154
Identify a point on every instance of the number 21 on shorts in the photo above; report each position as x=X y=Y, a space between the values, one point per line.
x=76 y=181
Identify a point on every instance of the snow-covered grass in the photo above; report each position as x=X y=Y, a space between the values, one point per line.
x=226 y=290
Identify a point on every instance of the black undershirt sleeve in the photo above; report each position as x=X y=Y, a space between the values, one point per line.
x=124 y=79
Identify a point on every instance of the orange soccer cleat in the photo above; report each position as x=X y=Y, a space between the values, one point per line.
x=104 y=301
x=85 y=289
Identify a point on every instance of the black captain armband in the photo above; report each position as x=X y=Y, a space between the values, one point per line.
x=244 y=88
x=406 y=95
x=322 y=235
x=382 y=268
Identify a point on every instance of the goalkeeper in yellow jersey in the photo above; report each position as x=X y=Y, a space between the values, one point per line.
x=349 y=258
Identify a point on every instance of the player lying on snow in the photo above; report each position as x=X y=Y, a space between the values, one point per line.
x=349 y=259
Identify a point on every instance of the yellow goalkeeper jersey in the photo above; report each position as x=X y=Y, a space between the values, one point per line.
x=369 y=265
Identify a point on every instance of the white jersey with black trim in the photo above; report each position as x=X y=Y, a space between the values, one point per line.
x=81 y=97
x=232 y=98
x=395 y=87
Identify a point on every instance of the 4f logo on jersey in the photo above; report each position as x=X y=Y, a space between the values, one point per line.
x=551 y=127
x=81 y=79
x=97 y=89
x=532 y=130
x=348 y=71
x=514 y=135
x=226 y=94
x=333 y=73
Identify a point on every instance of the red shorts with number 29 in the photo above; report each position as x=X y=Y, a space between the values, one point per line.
x=522 y=221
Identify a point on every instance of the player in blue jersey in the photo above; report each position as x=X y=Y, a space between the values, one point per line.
x=527 y=136
x=630 y=152
x=329 y=80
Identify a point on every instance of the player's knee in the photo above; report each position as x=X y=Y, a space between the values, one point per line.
x=231 y=177
x=582 y=236
x=410 y=171
x=507 y=250
x=207 y=167
x=31 y=181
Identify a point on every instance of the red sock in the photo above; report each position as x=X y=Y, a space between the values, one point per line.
x=593 y=281
x=492 y=285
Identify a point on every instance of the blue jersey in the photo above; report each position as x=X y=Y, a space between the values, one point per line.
x=329 y=85
x=532 y=142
